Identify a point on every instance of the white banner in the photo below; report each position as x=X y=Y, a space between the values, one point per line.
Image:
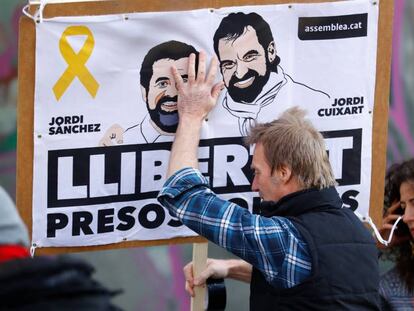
x=105 y=108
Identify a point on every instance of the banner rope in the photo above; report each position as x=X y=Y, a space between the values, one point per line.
x=25 y=11
x=38 y=16
x=378 y=234
x=33 y=250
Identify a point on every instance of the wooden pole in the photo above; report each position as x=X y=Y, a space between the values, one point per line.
x=199 y=264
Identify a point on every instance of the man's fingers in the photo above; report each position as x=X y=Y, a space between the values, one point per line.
x=212 y=71
x=189 y=283
x=177 y=77
x=191 y=68
x=189 y=278
x=188 y=271
x=201 y=279
x=216 y=90
x=197 y=97
x=201 y=72
x=189 y=288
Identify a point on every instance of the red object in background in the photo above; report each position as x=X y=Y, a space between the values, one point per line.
x=9 y=252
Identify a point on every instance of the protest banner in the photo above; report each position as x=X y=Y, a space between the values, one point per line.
x=97 y=108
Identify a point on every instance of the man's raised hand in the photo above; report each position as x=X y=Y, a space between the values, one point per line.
x=199 y=95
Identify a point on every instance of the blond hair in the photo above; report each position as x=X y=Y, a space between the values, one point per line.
x=293 y=141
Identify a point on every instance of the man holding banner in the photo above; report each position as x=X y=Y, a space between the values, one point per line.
x=304 y=251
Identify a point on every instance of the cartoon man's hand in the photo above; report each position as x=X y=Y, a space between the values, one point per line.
x=113 y=136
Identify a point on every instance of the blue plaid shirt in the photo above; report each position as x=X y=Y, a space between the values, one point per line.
x=272 y=245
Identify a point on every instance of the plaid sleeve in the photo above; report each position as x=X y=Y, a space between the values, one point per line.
x=272 y=245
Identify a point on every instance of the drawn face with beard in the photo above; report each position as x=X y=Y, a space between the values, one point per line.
x=162 y=94
x=244 y=64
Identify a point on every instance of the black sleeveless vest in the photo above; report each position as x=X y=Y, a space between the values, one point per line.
x=344 y=273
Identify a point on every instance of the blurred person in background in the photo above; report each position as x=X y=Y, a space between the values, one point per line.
x=397 y=285
x=43 y=283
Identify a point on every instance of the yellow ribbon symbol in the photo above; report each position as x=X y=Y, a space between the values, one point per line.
x=76 y=62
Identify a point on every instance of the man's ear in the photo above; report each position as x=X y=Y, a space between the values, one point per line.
x=271 y=52
x=144 y=94
x=285 y=173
